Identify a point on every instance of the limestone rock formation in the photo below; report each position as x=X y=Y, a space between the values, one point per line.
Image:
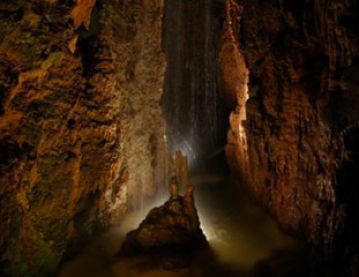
x=300 y=55
x=180 y=168
x=174 y=225
x=233 y=75
x=140 y=63
x=81 y=14
x=79 y=110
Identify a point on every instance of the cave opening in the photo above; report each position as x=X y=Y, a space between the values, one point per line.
x=349 y=195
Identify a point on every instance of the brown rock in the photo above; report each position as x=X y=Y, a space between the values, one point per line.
x=297 y=53
x=81 y=14
x=70 y=147
x=171 y=226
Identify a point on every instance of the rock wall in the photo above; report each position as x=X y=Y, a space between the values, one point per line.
x=302 y=58
x=79 y=118
x=233 y=78
x=137 y=40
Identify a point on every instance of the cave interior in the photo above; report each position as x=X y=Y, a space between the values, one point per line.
x=179 y=138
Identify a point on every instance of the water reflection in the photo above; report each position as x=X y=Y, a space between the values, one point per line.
x=239 y=232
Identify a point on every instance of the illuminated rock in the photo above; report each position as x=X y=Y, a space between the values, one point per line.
x=173 y=188
x=172 y=225
x=300 y=98
x=80 y=123
x=180 y=168
x=81 y=14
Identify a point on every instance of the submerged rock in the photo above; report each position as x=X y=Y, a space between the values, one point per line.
x=173 y=226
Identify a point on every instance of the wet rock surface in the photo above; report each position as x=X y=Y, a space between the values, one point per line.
x=173 y=226
x=79 y=110
x=301 y=100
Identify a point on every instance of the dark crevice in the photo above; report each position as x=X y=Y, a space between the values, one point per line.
x=348 y=190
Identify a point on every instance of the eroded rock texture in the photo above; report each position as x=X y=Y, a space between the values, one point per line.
x=137 y=40
x=233 y=76
x=302 y=58
x=173 y=226
x=79 y=104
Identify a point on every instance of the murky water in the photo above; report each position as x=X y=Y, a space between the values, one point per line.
x=240 y=234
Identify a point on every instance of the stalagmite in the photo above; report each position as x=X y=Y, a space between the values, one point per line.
x=173 y=188
x=180 y=170
x=174 y=224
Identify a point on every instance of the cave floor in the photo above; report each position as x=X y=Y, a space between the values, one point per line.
x=244 y=241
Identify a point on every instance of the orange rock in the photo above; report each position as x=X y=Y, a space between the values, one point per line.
x=81 y=14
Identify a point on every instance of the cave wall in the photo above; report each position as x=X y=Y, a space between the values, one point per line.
x=80 y=122
x=233 y=80
x=302 y=58
x=137 y=40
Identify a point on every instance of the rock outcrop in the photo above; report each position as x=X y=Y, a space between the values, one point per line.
x=172 y=227
x=79 y=108
x=302 y=57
